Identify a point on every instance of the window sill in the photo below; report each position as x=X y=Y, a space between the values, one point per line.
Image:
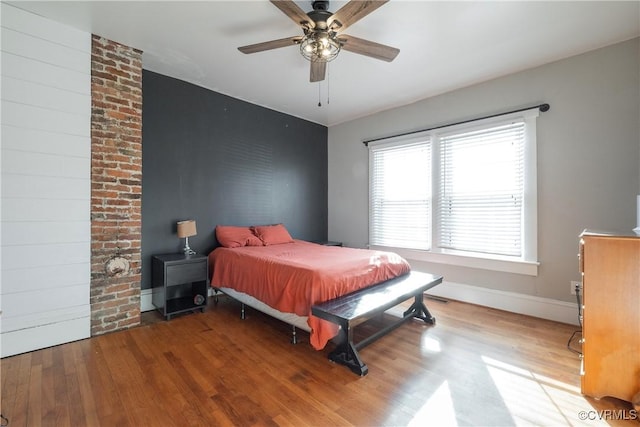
x=528 y=268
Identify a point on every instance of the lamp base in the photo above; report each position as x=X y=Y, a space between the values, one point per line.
x=187 y=250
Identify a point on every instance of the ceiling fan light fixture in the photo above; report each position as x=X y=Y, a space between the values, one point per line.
x=320 y=46
x=323 y=36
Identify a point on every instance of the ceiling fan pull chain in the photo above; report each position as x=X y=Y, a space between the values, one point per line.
x=319 y=103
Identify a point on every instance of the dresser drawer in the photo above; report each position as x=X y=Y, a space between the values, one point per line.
x=185 y=273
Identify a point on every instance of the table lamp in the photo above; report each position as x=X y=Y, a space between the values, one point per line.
x=187 y=229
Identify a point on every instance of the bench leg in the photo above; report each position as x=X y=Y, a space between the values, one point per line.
x=346 y=353
x=419 y=310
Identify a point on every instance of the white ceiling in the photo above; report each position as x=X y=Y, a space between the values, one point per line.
x=443 y=46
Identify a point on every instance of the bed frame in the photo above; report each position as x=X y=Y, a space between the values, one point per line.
x=247 y=300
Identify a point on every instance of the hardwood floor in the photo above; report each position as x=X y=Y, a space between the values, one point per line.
x=476 y=366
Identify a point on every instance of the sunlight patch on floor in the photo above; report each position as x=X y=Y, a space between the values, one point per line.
x=429 y=345
x=526 y=373
x=534 y=399
x=438 y=409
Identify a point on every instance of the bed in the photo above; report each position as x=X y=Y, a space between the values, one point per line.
x=284 y=277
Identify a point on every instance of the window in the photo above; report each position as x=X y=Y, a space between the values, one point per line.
x=481 y=190
x=400 y=213
x=461 y=191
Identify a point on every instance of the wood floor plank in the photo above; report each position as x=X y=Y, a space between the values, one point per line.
x=104 y=388
x=47 y=393
x=89 y=410
x=21 y=402
x=476 y=366
x=34 y=417
x=9 y=380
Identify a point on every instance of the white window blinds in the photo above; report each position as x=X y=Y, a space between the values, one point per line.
x=400 y=195
x=482 y=190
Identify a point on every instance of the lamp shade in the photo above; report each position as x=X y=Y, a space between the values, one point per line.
x=186 y=228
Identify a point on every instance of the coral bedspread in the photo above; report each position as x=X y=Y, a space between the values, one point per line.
x=294 y=276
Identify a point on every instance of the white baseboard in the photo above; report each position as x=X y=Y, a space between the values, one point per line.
x=146 y=298
x=545 y=308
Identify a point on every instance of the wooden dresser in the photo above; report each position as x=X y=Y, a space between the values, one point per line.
x=610 y=267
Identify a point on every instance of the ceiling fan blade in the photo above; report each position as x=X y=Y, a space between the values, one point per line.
x=318 y=70
x=352 y=12
x=273 y=44
x=368 y=48
x=293 y=11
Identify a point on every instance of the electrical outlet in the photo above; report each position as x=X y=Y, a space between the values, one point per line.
x=575 y=285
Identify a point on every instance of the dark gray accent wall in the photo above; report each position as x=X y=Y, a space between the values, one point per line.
x=219 y=160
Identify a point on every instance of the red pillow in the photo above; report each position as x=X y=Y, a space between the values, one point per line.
x=272 y=234
x=235 y=237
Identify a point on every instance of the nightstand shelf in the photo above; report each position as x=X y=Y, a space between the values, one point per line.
x=180 y=283
x=181 y=304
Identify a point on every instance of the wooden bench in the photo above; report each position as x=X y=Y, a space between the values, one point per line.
x=352 y=309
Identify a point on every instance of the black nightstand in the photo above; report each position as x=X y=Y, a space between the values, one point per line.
x=182 y=283
x=328 y=243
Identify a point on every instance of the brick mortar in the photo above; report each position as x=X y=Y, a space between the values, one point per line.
x=116 y=183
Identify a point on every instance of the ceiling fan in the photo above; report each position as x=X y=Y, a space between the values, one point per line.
x=323 y=38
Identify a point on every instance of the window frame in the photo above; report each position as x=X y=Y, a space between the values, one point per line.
x=528 y=263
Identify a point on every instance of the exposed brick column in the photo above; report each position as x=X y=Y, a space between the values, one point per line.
x=116 y=184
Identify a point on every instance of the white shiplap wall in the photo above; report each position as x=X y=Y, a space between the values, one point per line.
x=45 y=160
